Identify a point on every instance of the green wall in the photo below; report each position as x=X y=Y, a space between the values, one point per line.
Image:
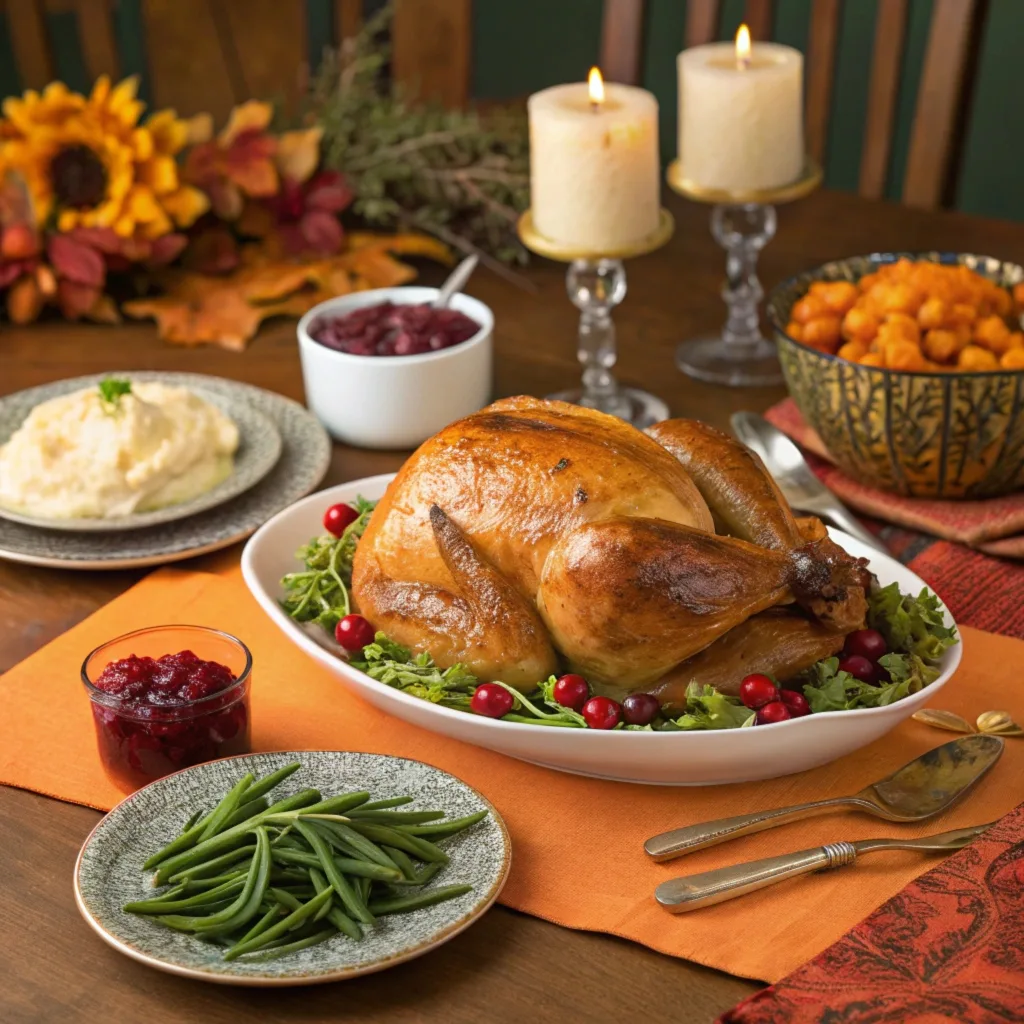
x=524 y=45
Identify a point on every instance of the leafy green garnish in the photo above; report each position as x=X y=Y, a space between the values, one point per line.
x=112 y=389
x=320 y=593
x=910 y=625
x=393 y=665
x=829 y=689
x=706 y=708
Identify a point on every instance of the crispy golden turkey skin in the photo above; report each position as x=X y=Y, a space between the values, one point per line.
x=536 y=535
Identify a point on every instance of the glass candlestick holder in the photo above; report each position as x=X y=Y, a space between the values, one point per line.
x=742 y=224
x=596 y=284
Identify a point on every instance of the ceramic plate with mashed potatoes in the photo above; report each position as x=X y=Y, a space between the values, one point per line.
x=126 y=453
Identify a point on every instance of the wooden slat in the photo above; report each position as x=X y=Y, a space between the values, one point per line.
x=883 y=91
x=187 y=67
x=25 y=19
x=622 y=40
x=701 y=21
x=265 y=40
x=821 y=57
x=938 y=102
x=759 y=17
x=96 y=35
x=348 y=19
x=431 y=41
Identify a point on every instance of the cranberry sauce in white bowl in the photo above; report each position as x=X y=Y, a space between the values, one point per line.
x=394 y=401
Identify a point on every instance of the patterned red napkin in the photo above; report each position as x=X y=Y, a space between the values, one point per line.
x=948 y=947
x=993 y=525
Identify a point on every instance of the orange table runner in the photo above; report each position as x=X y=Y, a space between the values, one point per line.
x=582 y=867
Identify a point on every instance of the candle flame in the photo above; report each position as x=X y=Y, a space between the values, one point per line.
x=595 y=84
x=743 y=46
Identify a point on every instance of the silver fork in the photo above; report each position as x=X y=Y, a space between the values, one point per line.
x=800 y=487
x=709 y=887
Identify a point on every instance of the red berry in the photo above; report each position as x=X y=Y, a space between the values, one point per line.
x=353 y=633
x=775 y=711
x=338 y=517
x=860 y=668
x=796 y=703
x=602 y=713
x=571 y=691
x=640 y=708
x=867 y=643
x=491 y=700
x=758 y=690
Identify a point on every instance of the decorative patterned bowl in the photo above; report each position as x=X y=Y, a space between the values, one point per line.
x=925 y=435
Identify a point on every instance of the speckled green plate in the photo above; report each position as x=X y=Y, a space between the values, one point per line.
x=109 y=873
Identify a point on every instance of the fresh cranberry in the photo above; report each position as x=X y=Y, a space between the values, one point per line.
x=491 y=700
x=774 y=711
x=860 y=668
x=757 y=690
x=640 y=709
x=865 y=643
x=571 y=691
x=353 y=633
x=338 y=518
x=796 y=703
x=602 y=713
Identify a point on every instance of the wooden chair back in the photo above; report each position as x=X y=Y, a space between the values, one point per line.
x=213 y=54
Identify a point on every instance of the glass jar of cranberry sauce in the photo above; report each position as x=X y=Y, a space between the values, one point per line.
x=166 y=698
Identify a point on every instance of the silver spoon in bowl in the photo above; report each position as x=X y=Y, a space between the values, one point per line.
x=921 y=789
x=455 y=282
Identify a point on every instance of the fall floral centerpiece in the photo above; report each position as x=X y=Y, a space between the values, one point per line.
x=104 y=214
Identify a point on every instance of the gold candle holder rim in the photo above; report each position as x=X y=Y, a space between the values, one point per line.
x=565 y=253
x=809 y=180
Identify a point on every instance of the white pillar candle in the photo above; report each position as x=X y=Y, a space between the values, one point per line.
x=594 y=166
x=741 y=115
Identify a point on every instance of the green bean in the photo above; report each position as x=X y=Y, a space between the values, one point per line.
x=158 y=906
x=402 y=859
x=356 y=842
x=214 y=865
x=292 y=947
x=404 y=904
x=193 y=820
x=228 y=805
x=364 y=886
x=445 y=828
x=380 y=805
x=260 y=926
x=205 y=884
x=346 y=865
x=248 y=810
x=305 y=911
x=395 y=817
x=338 y=804
x=428 y=873
x=232 y=836
x=246 y=904
x=353 y=904
x=263 y=786
x=319 y=883
x=419 y=848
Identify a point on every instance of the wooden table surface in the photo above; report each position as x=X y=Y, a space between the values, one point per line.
x=508 y=966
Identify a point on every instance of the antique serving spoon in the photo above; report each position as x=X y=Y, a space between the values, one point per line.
x=709 y=887
x=919 y=790
x=455 y=282
x=800 y=487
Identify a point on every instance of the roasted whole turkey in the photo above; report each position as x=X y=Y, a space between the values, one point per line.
x=534 y=537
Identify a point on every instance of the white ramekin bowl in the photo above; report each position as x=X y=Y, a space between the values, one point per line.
x=395 y=401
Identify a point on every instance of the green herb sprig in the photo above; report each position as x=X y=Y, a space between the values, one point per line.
x=112 y=390
x=320 y=593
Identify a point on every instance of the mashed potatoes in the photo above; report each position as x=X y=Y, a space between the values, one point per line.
x=86 y=456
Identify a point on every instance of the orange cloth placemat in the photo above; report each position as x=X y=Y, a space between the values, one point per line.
x=577 y=843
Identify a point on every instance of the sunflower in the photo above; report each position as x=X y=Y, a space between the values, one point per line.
x=88 y=163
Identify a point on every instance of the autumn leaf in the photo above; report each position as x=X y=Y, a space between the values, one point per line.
x=198 y=309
